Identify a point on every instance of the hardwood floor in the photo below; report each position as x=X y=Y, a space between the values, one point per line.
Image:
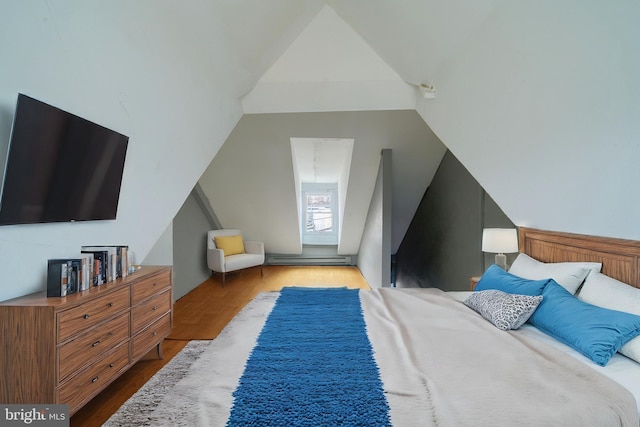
x=203 y=313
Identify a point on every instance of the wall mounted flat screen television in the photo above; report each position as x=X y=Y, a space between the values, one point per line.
x=60 y=167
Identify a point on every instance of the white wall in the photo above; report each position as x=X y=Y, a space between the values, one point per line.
x=167 y=74
x=542 y=106
x=162 y=251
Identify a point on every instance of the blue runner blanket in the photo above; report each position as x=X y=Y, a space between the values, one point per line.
x=312 y=365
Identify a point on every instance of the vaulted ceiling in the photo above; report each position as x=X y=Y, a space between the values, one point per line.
x=538 y=99
x=517 y=100
x=329 y=83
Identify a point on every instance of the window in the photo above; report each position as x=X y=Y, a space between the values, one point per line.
x=321 y=173
x=319 y=212
x=320 y=207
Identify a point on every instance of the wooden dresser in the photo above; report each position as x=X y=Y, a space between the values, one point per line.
x=68 y=349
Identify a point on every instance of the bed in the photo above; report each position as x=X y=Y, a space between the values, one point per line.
x=443 y=361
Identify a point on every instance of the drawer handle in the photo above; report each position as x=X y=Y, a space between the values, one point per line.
x=154 y=334
x=154 y=308
x=94 y=379
x=86 y=316
x=110 y=304
x=155 y=284
x=111 y=365
x=95 y=343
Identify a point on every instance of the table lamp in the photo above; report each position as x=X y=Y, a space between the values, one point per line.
x=500 y=241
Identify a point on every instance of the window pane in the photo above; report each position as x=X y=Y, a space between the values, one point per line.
x=319 y=215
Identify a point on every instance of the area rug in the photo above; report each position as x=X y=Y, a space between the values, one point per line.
x=312 y=365
x=188 y=392
x=173 y=396
x=138 y=410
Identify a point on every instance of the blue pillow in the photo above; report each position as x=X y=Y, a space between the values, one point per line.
x=496 y=278
x=596 y=332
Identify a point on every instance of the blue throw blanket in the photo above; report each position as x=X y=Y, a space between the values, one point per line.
x=312 y=366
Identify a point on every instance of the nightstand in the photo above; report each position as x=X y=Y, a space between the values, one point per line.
x=474 y=281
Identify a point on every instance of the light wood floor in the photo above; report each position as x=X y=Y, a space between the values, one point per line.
x=202 y=314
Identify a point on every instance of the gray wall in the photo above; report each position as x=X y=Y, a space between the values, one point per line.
x=374 y=256
x=442 y=247
x=256 y=162
x=190 y=228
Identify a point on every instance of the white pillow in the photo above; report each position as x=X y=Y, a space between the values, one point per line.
x=569 y=275
x=607 y=292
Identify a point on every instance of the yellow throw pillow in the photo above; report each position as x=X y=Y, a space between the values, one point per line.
x=231 y=245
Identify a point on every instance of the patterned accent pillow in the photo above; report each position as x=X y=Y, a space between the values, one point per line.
x=506 y=311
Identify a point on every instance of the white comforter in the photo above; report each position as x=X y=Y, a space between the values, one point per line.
x=444 y=365
x=621 y=369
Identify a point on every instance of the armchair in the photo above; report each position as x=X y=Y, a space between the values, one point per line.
x=244 y=255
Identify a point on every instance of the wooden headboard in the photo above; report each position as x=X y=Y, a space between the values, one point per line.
x=620 y=258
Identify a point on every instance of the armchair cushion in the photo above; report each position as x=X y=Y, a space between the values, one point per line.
x=231 y=245
x=240 y=261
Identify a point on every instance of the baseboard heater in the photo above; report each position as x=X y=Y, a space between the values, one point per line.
x=310 y=260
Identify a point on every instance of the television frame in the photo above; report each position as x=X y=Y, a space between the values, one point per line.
x=60 y=167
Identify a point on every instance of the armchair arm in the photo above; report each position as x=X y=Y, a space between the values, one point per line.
x=215 y=260
x=252 y=247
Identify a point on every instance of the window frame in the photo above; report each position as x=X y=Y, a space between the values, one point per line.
x=320 y=237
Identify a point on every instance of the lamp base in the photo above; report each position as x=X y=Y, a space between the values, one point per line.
x=501 y=260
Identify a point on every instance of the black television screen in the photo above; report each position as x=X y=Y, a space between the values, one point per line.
x=60 y=167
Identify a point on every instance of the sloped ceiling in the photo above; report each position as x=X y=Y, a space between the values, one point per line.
x=545 y=97
x=329 y=67
x=170 y=75
x=538 y=99
x=417 y=38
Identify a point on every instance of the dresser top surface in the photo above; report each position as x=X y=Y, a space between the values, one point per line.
x=40 y=299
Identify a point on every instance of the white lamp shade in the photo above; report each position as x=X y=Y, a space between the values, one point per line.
x=499 y=240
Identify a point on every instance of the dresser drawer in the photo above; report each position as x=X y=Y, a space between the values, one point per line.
x=81 y=318
x=149 y=286
x=153 y=335
x=87 y=383
x=91 y=344
x=150 y=310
